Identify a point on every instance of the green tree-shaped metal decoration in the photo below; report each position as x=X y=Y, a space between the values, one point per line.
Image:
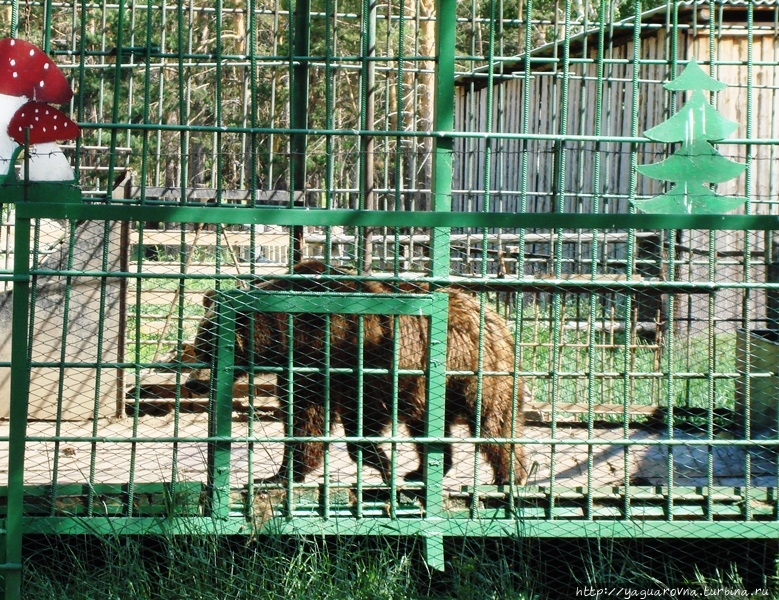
x=696 y=164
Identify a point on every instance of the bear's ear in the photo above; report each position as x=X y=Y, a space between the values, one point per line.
x=208 y=299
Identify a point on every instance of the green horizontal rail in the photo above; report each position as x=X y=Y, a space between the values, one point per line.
x=388 y=439
x=488 y=527
x=389 y=133
x=549 y=137
x=323 y=217
x=171 y=368
x=475 y=282
x=328 y=302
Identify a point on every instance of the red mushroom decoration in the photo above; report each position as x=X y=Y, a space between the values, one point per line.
x=29 y=80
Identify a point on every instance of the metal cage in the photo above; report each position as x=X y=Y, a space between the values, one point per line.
x=314 y=248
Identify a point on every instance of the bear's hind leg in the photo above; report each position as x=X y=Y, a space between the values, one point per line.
x=372 y=454
x=303 y=457
x=501 y=457
x=417 y=429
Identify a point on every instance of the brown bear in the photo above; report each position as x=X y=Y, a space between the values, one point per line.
x=366 y=410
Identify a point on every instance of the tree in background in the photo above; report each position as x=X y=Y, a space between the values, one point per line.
x=182 y=65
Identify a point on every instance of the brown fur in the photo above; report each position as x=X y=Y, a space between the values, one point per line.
x=271 y=348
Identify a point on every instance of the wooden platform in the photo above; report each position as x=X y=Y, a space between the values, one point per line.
x=158 y=392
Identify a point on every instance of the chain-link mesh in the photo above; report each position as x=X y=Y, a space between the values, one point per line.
x=380 y=301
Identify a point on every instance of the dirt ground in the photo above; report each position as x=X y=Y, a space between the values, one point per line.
x=153 y=456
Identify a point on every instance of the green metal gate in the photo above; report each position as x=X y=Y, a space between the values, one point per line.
x=505 y=184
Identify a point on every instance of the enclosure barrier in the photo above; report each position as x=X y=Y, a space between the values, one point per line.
x=627 y=509
x=440 y=270
x=652 y=499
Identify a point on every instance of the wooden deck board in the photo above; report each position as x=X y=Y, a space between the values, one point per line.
x=161 y=388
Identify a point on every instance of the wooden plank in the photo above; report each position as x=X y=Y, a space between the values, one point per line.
x=272 y=197
x=160 y=388
x=537 y=410
x=244 y=238
x=163 y=385
x=582 y=286
x=174 y=268
x=208 y=238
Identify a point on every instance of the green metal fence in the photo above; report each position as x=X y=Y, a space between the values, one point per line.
x=511 y=291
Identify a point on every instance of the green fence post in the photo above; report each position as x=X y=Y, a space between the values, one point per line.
x=439 y=268
x=299 y=65
x=436 y=387
x=20 y=392
x=220 y=411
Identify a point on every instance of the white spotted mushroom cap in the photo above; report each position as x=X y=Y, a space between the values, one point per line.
x=46 y=124
x=25 y=70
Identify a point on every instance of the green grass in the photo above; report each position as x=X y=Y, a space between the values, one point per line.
x=213 y=568
x=611 y=368
x=156 y=315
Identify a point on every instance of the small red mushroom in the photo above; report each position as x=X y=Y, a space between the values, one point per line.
x=28 y=81
x=25 y=70
x=46 y=124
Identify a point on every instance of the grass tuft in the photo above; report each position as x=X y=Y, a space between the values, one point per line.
x=222 y=568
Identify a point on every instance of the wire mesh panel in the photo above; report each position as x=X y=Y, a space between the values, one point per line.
x=412 y=269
